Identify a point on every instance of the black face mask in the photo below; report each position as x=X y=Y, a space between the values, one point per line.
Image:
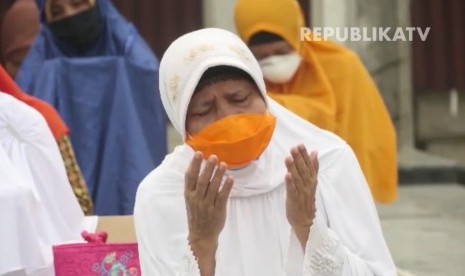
x=79 y=31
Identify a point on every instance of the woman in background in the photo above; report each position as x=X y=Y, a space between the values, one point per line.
x=96 y=70
x=20 y=28
x=325 y=84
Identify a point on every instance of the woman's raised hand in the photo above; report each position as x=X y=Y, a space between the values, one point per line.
x=206 y=208
x=301 y=182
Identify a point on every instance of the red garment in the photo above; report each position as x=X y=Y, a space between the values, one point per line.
x=54 y=121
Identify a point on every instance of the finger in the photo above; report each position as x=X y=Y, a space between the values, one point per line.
x=215 y=183
x=223 y=195
x=205 y=176
x=301 y=165
x=192 y=173
x=295 y=174
x=305 y=156
x=315 y=163
x=315 y=166
x=290 y=187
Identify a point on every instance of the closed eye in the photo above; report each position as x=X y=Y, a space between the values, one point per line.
x=201 y=113
x=240 y=99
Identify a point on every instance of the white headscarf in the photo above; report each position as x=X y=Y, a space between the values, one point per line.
x=185 y=61
x=256 y=238
x=181 y=68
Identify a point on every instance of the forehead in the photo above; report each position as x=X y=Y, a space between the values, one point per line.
x=223 y=88
x=271 y=46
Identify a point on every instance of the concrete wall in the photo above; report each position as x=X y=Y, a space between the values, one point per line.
x=438 y=129
x=219 y=14
x=331 y=13
x=425 y=121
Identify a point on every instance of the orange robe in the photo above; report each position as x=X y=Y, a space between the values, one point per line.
x=331 y=89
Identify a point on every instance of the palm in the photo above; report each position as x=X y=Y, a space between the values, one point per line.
x=301 y=181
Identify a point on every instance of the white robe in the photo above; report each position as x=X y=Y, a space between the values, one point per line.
x=257 y=240
x=22 y=250
x=345 y=239
x=35 y=188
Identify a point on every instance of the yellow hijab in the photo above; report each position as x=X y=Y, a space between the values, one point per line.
x=273 y=16
x=331 y=89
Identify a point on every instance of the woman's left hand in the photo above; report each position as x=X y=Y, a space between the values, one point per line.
x=301 y=181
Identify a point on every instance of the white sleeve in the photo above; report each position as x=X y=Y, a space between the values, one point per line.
x=190 y=267
x=161 y=229
x=324 y=253
x=349 y=239
x=151 y=264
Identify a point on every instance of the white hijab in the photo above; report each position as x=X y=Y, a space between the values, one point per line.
x=256 y=239
x=185 y=61
x=181 y=68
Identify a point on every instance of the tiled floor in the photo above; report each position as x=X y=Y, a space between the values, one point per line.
x=425 y=229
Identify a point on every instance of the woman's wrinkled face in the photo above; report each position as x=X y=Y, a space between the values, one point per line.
x=275 y=48
x=218 y=100
x=61 y=9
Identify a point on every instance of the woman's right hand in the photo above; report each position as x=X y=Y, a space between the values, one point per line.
x=206 y=208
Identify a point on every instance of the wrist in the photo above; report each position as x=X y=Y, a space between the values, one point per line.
x=302 y=230
x=302 y=233
x=203 y=247
x=204 y=251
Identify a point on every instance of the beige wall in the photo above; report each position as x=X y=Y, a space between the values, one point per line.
x=438 y=129
x=219 y=14
x=331 y=13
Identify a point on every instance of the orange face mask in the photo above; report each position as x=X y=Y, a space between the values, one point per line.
x=237 y=140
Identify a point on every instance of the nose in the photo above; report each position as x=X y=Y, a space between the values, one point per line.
x=225 y=110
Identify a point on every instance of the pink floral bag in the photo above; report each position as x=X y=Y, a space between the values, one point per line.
x=96 y=258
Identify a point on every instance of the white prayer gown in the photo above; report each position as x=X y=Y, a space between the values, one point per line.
x=44 y=198
x=21 y=248
x=346 y=236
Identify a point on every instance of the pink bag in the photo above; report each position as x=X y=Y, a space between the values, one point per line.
x=96 y=258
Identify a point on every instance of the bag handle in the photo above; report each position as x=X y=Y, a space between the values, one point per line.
x=99 y=237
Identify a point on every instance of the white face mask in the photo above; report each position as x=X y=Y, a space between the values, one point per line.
x=280 y=68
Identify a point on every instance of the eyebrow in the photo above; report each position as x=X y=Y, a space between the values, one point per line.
x=201 y=103
x=235 y=91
